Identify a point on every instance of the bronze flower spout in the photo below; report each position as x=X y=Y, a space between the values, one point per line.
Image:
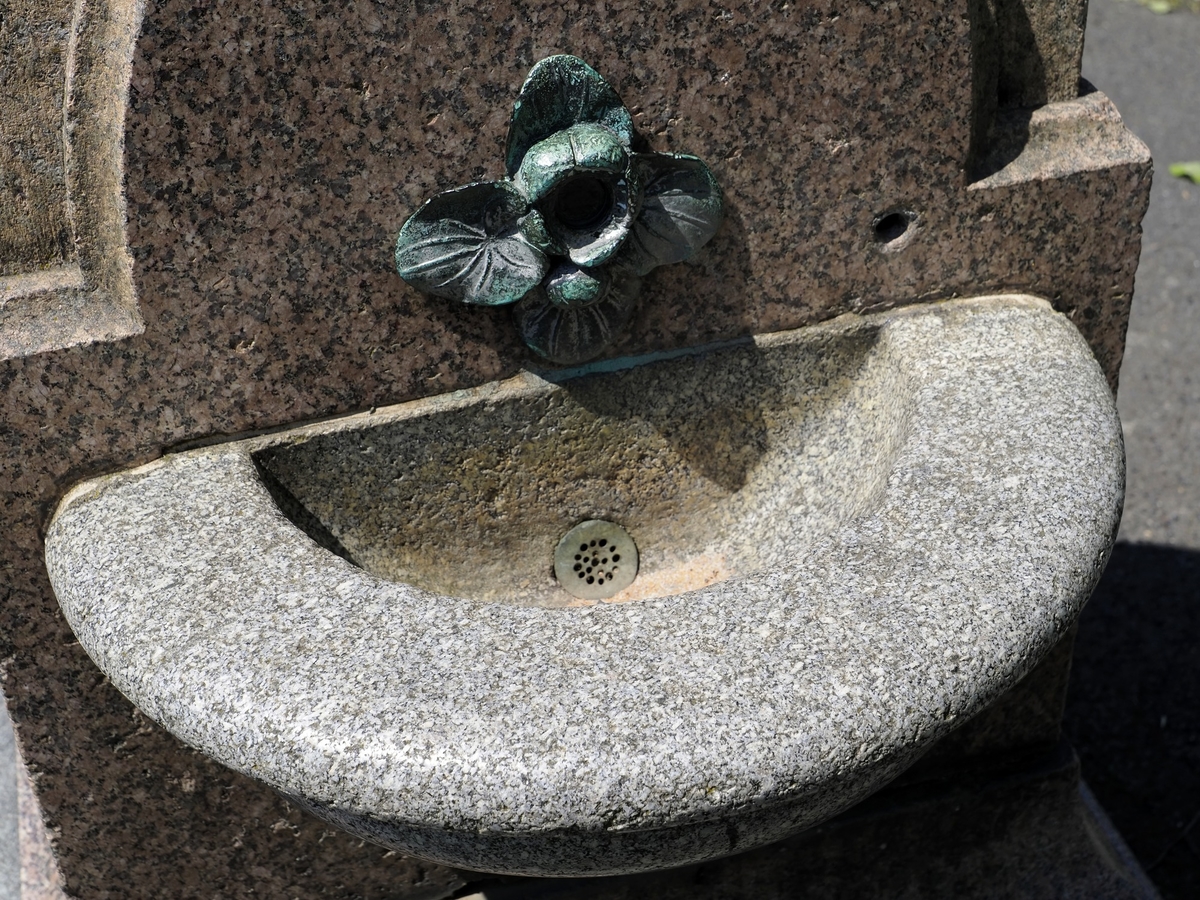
x=581 y=216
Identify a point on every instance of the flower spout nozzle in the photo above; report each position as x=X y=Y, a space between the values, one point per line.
x=580 y=217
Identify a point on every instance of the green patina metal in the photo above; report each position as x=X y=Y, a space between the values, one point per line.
x=581 y=217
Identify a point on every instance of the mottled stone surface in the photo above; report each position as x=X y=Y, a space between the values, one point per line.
x=842 y=640
x=720 y=464
x=293 y=156
x=1032 y=833
x=1040 y=46
x=270 y=155
x=39 y=878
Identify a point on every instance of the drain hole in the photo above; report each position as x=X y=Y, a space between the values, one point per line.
x=592 y=573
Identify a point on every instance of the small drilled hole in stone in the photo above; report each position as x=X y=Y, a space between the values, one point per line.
x=616 y=557
x=891 y=227
x=603 y=541
x=591 y=580
x=582 y=549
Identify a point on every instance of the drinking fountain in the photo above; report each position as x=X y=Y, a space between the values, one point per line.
x=827 y=545
x=591 y=475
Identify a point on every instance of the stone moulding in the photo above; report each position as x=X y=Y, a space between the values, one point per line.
x=633 y=736
x=90 y=295
x=1084 y=134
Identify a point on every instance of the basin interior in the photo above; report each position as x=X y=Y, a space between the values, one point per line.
x=719 y=463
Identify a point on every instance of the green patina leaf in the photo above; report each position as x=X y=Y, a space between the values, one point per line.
x=1186 y=170
x=562 y=91
x=569 y=335
x=578 y=203
x=681 y=211
x=477 y=244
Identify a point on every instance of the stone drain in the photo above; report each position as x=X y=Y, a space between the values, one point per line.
x=595 y=560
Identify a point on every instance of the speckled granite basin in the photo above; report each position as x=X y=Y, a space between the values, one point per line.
x=853 y=537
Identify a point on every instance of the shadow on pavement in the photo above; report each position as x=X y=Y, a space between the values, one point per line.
x=1133 y=710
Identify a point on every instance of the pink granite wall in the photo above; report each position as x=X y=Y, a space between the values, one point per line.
x=271 y=152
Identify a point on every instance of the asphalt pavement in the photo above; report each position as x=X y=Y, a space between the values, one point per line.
x=1133 y=710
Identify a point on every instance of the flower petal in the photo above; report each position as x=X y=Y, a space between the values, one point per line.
x=570 y=285
x=559 y=92
x=569 y=335
x=477 y=244
x=584 y=148
x=681 y=211
x=581 y=183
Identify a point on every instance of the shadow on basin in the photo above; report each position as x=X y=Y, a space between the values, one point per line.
x=699 y=455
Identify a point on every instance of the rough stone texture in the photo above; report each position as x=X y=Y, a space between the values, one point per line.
x=1040 y=47
x=35 y=232
x=270 y=155
x=1024 y=723
x=1033 y=834
x=1050 y=141
x=65 y=269
x=10 y=868
x=623 y=736
x=39 y=878
x=719 y=464
x=1025 y=53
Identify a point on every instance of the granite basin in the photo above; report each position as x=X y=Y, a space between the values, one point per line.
x=853 y=537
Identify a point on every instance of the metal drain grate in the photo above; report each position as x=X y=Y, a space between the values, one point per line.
x=595 y=560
